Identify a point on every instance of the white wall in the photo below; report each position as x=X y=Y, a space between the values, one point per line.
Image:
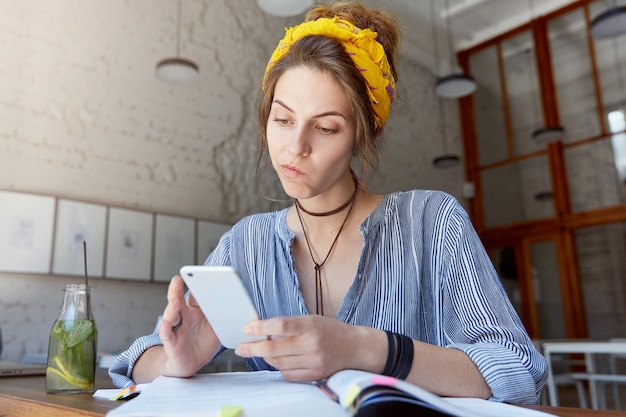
x=83 y=117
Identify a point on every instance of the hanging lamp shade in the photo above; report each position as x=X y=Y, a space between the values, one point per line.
x=446 y=161
x=610 y=23
x=543 y=134
x=285 y=8
x=442 y=87
x=177 y=70
x=549 y=134
x=455 y=86
x=543 y=195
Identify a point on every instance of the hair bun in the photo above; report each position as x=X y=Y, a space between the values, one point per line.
x=364 y=18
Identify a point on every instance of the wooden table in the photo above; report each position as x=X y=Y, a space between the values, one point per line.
x=24 y=396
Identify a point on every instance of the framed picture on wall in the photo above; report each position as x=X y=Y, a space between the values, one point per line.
x=129 y=244
x=174 y=245
x=26 y=228
x=77 y=222
x=209 y=234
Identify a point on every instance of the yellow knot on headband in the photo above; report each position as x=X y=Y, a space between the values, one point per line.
x=367 y=54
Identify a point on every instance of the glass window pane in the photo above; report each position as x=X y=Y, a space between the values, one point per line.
x=517 y=192
x=488 y=107
x=547 y=287
x=617 y=123
x=576 y=95
x=522 y=92
x=504 y=261
x=611 y=64
x=596 y=173
x=601 y=257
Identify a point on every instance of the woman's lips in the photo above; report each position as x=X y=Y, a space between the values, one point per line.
x=291 y=171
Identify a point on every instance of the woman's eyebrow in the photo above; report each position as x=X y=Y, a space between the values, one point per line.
x=327 y=113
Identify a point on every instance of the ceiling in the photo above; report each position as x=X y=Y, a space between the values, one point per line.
x=471 y=22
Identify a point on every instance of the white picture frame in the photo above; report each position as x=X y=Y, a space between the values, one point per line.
x=174 y=245
x=77 y=222
x=129 y=244
x=208 y=236
x=26 y=231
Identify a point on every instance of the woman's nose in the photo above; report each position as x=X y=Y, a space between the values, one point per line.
x=299 y=144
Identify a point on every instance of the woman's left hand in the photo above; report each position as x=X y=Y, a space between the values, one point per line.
x=306 y=348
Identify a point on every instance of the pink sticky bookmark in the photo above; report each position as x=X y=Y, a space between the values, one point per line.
x=384 y=380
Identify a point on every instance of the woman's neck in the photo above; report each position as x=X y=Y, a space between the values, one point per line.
x=345 y=206
x=329 y=205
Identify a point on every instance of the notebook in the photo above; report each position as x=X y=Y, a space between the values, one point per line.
x=8 y=368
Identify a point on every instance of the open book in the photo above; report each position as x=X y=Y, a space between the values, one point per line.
x=266 y=394
x=363 y=394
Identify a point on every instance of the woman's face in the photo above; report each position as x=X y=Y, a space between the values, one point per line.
x=310 y=133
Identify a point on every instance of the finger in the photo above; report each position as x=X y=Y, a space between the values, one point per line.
x=282 y=346
x=165 y=331
x=287 y=362
x=176 y=288
x=191 y=301
x=179 y=324
x=276 y=326
x=301 y=374
x=172 y=313
x=298 y=367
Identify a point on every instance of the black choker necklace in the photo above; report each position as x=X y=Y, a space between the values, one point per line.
x=335 y=211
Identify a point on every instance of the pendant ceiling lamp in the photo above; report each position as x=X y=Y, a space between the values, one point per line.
x=543 y=196
x=177 y=70
x=285 y=8
x=543 y=134
x=453 y=85
x=610 y=23
x=547 y=133
x=445 y=160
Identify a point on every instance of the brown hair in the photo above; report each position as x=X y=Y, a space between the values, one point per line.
x=328 y=55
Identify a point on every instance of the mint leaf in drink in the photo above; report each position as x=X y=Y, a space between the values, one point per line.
x=72 y=335
x=80 y=331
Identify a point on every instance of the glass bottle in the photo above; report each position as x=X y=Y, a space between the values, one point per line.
x=73 y=344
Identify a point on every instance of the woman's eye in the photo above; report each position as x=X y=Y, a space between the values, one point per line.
x=283 y=122
x=327 y=130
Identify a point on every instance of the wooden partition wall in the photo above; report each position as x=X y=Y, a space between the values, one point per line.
x=552 y=215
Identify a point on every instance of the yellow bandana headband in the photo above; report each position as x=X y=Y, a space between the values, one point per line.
x=367 y=54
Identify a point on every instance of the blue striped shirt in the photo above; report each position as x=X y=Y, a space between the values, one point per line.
x=423 y=272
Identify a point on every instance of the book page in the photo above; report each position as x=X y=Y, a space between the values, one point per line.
x=260 y=394
x=492 y=409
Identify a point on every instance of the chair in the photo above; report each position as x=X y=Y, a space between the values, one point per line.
x=556 y=375
x=613 y=360
x=596 y=378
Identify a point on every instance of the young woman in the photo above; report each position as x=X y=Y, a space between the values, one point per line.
x=398 y=284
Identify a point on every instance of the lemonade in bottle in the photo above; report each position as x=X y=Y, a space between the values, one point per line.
x=73 y=342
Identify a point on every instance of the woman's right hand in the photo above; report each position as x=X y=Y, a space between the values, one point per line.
x=187 y=348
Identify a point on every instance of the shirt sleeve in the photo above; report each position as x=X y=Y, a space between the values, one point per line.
x=121 y=369
x=480 y=320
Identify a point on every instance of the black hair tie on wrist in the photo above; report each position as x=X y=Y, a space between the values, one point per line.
x=399 y=355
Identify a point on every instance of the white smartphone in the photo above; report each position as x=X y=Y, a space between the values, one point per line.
x=224 y=301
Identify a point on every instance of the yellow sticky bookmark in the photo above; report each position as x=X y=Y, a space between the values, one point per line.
x=351 y=395
x=125 y=392
x=230 y=411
